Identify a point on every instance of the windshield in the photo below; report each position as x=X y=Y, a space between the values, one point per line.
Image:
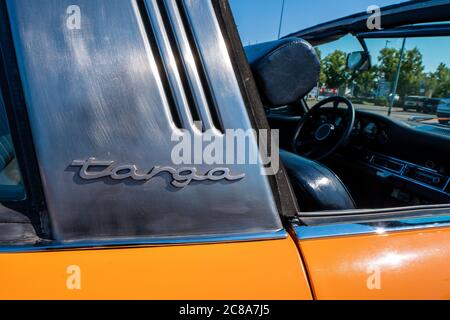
x=418 y=88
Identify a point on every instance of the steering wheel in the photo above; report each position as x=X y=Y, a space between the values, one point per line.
x=323 y=130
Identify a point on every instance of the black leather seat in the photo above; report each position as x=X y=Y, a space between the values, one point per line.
x=286 y=71
x=16 y=228
x=317 y=188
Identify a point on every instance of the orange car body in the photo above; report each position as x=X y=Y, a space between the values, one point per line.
x=250 y=270
x=403 y=265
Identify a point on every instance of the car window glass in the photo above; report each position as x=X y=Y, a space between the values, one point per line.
x=423 y=78
x=11 y=186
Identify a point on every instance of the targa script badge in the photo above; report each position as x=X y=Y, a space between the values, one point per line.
x=180 y=177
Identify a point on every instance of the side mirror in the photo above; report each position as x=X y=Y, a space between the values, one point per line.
x=359 y=61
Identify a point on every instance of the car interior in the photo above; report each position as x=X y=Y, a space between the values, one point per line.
x=15 y=227
x=339 y=158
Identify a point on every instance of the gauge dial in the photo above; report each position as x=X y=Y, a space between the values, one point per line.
x=370 y=131
x=383 y=136
x=356 y=128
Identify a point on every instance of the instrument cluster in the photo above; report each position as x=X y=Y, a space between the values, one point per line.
x=367 y=130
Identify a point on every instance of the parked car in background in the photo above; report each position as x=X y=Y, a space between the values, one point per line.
x=414 y=103
x=443 y=110
x=325 y=93
x=430 y=105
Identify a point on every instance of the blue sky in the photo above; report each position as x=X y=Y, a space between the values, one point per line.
x=258 y=21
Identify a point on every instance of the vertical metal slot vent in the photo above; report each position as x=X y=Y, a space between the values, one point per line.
x=178 y=60
x=160 y=66
x=213 y=109
x=183 y=69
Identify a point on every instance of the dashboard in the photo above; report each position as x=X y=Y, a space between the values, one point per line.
x=399 y=152
x=401 y=140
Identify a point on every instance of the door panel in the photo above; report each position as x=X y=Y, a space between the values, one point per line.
x=403 y=265
x=247 y=270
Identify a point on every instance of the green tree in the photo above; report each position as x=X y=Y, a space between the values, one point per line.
x=322 y=79
x=411 y=72
x=335 y=69
x=365 y=82
x=388 y=62
x=442 y=78
x=431 y=83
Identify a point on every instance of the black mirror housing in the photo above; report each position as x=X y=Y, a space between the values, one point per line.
x=359 y=61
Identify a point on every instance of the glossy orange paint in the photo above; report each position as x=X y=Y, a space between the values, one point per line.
x=403 y=265
x=247 y=270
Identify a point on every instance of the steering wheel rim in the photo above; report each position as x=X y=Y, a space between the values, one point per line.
x=324 y=131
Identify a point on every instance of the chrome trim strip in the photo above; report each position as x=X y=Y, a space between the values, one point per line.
x=377 y=227
x=132 y=243
x=189 y=65
x=218 y=67
x=417 y=211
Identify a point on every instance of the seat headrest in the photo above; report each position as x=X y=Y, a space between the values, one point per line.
x=285 y=70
